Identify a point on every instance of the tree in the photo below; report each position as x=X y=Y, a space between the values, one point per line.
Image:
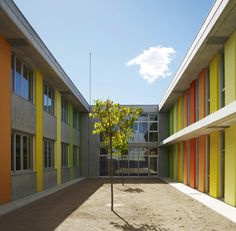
x=128 y=116
x=108 y=115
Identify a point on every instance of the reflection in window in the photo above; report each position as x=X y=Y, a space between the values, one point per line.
x=22 y=152
x=48 y=98
x=22 y=79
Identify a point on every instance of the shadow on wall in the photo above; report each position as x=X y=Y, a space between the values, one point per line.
x=48 y=213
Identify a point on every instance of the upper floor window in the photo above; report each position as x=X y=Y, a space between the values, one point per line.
x=48 y=146
x=64 y=111
x=146 y=128
x=48 y=98
x=21 y=152
x=22 y=79
x=222 y=80
x=75 y=119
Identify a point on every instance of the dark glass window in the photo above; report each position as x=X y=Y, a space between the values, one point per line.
x=48 y=98
x=22 y=152
x=22 y=79
x=48 y=153
x=64 y=155
x=64 y=111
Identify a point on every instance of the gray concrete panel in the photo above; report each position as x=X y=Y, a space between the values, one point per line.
x=163 y=161
x=76 y=172
x=49 y=126
x=23 y=184
x=84 y=148
x=65 y=133
x=49 y=178
x=76 y=137
x=23 y=115
x=163 y=127
x=65 y=174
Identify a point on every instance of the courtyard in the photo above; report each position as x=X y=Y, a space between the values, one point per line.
x=141 y=204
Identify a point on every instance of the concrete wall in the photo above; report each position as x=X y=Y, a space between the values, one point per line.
x=65 y=133
x=65 y=174
x=23 y=184
x=163 y=126
x=162 y=164
x=23 y=115
x=84 y=148
x=49 y=126
x=76 y=171
x=76 y=137
x=49 y=178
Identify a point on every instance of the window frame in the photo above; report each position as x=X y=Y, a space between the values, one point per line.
x=13 y=152
x=30 y=78
x=64 y=111
x=49 y=156
x=47 y=108
x=64 y=146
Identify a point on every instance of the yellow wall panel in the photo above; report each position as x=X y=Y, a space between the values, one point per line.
x=39 y=130
x=214 y=83
x=230 y=166
x=230 y=69
x=214 y=163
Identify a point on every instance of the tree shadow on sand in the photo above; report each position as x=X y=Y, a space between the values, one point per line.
x=132 y=190
x=129 y=227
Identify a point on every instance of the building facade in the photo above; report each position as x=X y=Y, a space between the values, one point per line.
x=200 y=105
x=45 y=132
x=41 y=112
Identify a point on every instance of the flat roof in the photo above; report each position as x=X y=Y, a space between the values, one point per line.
x=21 y=35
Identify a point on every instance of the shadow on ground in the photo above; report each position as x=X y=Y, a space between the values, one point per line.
x=48 y=213
x=141 y=227
x=131 y=190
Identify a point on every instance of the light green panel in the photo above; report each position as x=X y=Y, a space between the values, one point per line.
x=71 y=140
x=230 y=69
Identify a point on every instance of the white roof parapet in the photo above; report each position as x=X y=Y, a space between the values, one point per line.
x=9 y=7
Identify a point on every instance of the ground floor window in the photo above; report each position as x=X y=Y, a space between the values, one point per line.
x=64 y=154
x=48 y=147
x=21 y=152
x=137 y=162
x=75 y=155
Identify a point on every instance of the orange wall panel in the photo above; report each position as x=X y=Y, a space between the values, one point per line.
x=193 y=163
x=202 y=163
x=5 y=118
x=202 y=94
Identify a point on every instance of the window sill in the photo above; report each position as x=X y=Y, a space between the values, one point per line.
x=21 y=172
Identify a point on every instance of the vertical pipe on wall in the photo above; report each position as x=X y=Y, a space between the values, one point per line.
x=39 y=130
x=5 y=115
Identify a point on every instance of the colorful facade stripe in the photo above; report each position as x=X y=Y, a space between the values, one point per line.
x=5 y=115
x=39 y=130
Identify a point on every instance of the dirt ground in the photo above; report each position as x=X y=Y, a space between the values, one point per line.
x=142 y=204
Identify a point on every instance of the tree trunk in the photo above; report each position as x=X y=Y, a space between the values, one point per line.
x=111 y=171
x=122 y=169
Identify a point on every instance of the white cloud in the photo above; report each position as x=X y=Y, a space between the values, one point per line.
x=154 y=63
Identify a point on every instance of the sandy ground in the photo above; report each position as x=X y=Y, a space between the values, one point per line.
x=142 y=204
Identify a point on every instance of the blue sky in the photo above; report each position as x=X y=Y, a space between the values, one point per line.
x=117 y=32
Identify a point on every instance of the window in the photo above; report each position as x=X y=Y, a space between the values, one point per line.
x=64 y=155
x=222 y=80
x=22 y=152
x=75 y=119
x=146 y=128
x=64 y=111
x=207 y=92
x=22 y=79
x=48 y=98
x=75 y=155
x=48 y=147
